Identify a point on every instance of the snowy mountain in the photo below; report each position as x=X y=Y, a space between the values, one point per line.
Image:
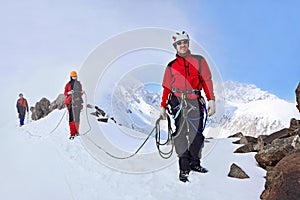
x=244 y=108
x=134 y=106
x=253 y=111
x=236 y=92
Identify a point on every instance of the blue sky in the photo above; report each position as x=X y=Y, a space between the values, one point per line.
x=250 y=41
x=254 y=42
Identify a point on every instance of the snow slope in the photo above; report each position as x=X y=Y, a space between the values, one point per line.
x=39 y=165
x=39 y=162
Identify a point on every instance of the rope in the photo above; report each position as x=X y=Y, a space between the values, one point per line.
x=156 y=128
x=164 y=155
x=126 y=157
x=87 y=119
x=168 y=154
x=52 y=131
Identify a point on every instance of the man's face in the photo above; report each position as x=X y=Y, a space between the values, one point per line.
x=182 y=46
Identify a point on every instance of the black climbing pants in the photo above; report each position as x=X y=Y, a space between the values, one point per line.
x=188 y=139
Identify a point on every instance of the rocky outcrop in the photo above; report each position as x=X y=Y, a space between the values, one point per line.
x=246 y=140
x=237 y=172
x=251 y=144
x=272 y=153
x=43 y=107
x=279 y=154
x=283 y=181
x=58 y=103
x=298 y=96
x=294 y=125
x=237 y=135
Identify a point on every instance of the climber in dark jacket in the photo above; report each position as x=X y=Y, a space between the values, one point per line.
x=22 y=107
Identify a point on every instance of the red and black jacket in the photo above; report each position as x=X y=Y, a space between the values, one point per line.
x=22 y=106
x=76 y=97
x=187 y=74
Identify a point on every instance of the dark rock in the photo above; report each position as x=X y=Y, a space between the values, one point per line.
x=283 y=181
x=105 y=119
x=278 y=134
x=245 y=149
x=250 y=144
x=41 y=109
x=294 y=124
x=95 y=114
x=100 y=111
x=246 y=140
x=296 y=142
x=272 y=153
x=100 y=114
x=298 y=96
x=237 y=135
x=237 y=172
x=260 y=143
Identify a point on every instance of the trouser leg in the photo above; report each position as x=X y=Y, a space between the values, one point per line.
x=196 y=137
x=73 y=129
x=74 y=118
x=72 y=124
x=181 y=145
x=21 y=121
x=22 y=117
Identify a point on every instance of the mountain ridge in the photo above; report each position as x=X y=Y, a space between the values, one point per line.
x=243 y=108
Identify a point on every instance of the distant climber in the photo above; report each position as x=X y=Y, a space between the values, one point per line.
x=22 y=107
x=73 y=92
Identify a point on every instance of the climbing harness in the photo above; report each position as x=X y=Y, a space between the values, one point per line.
x=184 y=108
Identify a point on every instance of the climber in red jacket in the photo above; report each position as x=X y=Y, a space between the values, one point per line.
x=73 y=101
x=184 y=78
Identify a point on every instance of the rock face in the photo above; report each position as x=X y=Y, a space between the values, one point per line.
x=272 y=153
x=283 y=181
x=237 y=172
x=41 y=109
x=279 y=154
x=237 y=135
x=58 y=103
x=44 y=107
x=298 y=96
x=251 y=144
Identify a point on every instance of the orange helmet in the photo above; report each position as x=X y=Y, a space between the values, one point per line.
x=73 y=73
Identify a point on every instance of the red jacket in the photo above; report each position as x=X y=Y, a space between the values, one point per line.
x=77 y=88
x=183 y=74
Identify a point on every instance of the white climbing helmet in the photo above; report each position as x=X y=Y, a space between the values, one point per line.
x=180 y=36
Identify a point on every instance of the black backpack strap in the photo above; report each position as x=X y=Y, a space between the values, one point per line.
x=170 y=65
x=199 y=58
